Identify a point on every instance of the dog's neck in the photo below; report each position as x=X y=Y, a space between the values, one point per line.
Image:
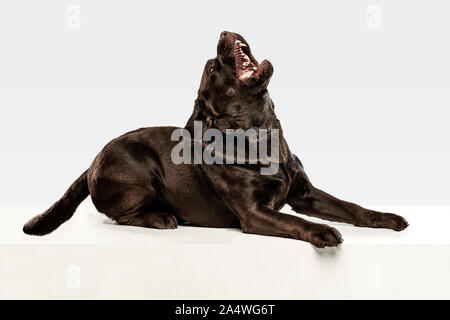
x=258 y=114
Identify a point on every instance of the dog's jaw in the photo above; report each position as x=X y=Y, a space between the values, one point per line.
x=246 y=64
x=234 y=52
x=247 y=67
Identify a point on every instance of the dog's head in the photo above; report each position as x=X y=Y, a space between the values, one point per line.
x=234 y=77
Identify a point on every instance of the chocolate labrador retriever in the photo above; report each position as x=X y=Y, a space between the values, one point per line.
x=135 y=181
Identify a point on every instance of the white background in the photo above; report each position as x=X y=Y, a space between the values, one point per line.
x=367 y=110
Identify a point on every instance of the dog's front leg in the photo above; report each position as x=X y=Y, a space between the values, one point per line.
x=266 y=221
x=306 y=199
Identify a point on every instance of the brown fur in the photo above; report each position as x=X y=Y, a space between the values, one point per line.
x=134 y=182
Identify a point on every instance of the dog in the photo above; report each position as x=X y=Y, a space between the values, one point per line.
x=134 y=180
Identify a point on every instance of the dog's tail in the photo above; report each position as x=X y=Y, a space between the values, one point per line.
x=61 y=211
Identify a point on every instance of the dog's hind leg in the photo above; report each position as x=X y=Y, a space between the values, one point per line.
x=132 y=205
x=304 y=198
x=147 y=219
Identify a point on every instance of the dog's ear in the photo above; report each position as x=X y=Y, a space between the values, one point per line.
x=200 y=105
x=207 y=108
x=196 y=115
x=201 y=113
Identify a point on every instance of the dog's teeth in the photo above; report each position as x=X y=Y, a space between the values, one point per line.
x=246 y=61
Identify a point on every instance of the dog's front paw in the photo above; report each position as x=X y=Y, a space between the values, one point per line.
x=397 y=223
x=388 y=221
x=321 y=236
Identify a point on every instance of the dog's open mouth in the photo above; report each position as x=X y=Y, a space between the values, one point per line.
x=235 y=52
x=246 y=64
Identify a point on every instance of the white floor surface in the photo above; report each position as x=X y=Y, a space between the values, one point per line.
x=91 y=257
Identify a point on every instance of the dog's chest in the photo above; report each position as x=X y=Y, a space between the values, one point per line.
x=244 y=186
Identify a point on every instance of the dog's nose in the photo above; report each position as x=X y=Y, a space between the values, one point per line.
x=223 y=34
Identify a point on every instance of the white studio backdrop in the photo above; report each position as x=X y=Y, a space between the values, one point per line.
x=361 y=87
